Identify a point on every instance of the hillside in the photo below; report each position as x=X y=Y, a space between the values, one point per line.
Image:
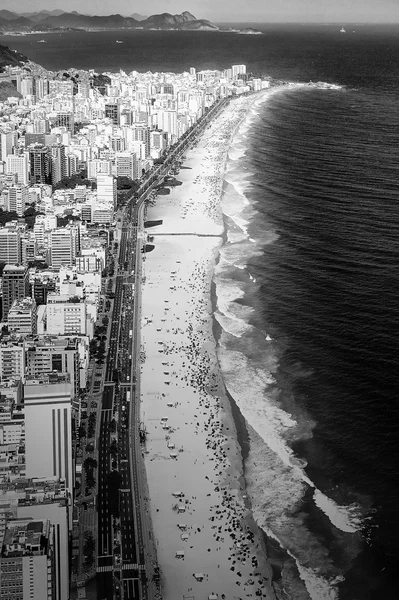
x=7 y=89
x=10 y=57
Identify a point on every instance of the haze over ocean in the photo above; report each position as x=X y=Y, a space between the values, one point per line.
x=306 y=283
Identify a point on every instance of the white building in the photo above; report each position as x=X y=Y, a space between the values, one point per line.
x=106 y=190
x=26 y=564
x=238 y=70
x=18 y=164
x=64 y=244
x=12 y=362
x=126 y=163
x=22 y=317
x=10 y=245
x=16 y=197
x=65 y=317
x=48 y=435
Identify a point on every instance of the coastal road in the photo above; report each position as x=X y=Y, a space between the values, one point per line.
x=129 y=575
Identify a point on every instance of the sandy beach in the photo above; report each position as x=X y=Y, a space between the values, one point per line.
x=206 y=539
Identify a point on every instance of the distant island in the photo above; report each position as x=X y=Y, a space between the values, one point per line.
x=56 y=20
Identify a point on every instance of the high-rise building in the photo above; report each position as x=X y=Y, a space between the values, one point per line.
x=15 y=286
x=42 y=87
x=238 y=70
x=40 y=164
x=126 y=165
x=10 y=245
x=27 y=86
x=167 y=121
x=12 y=362
x=8 y=141
x=65 y=316
x=112 y=112
x=17 y=196
x=54 y=354
x=22 y=317
x=26 y=562
x=47 y=404
x=64 y=246
x=106 y=189
x=72 y=164
x=117 y=144
x=58 y=163
x=18 y=164
x=141 y=133
x=98 y=166
x=65 y=119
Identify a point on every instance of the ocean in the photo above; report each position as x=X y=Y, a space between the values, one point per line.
x=306 y=285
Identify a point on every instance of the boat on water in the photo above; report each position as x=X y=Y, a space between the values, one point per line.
x=119 y=42
x=41 y=41
x=342 y=30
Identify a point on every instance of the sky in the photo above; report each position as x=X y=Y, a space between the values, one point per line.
x=319 y=11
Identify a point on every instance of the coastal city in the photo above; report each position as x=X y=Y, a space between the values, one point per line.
x=83 y=157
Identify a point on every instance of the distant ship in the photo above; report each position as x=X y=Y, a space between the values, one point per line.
x=41 y=41
x=342 y=30
x=119 y=42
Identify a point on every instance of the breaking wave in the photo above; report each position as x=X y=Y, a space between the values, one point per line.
x=277 y=483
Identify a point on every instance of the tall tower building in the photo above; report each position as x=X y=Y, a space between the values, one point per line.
x=42 y=87
x=112 y=112
x=58 y=163
x=15 y=286
x=141 y=133
x=64 y=246
x=18 y=197
x=72 y=164
x=10 y=245
x=47 y=404
x=238 y=70
x=126 y=165
x=27 y=86
x=65 y=119
x=40 y=164
x=8 y=142
x=12 y=362
x=106 y=189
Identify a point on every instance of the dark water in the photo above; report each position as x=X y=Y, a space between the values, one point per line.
x=320 y=170
x=328 y=292
x=292 y=52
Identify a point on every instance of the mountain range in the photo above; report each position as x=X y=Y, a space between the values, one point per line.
x=57 y=19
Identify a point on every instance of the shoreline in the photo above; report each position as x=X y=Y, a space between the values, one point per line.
x=223 y=448
x=188 y=229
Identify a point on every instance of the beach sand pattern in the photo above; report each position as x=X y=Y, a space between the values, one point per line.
x=207 y=541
